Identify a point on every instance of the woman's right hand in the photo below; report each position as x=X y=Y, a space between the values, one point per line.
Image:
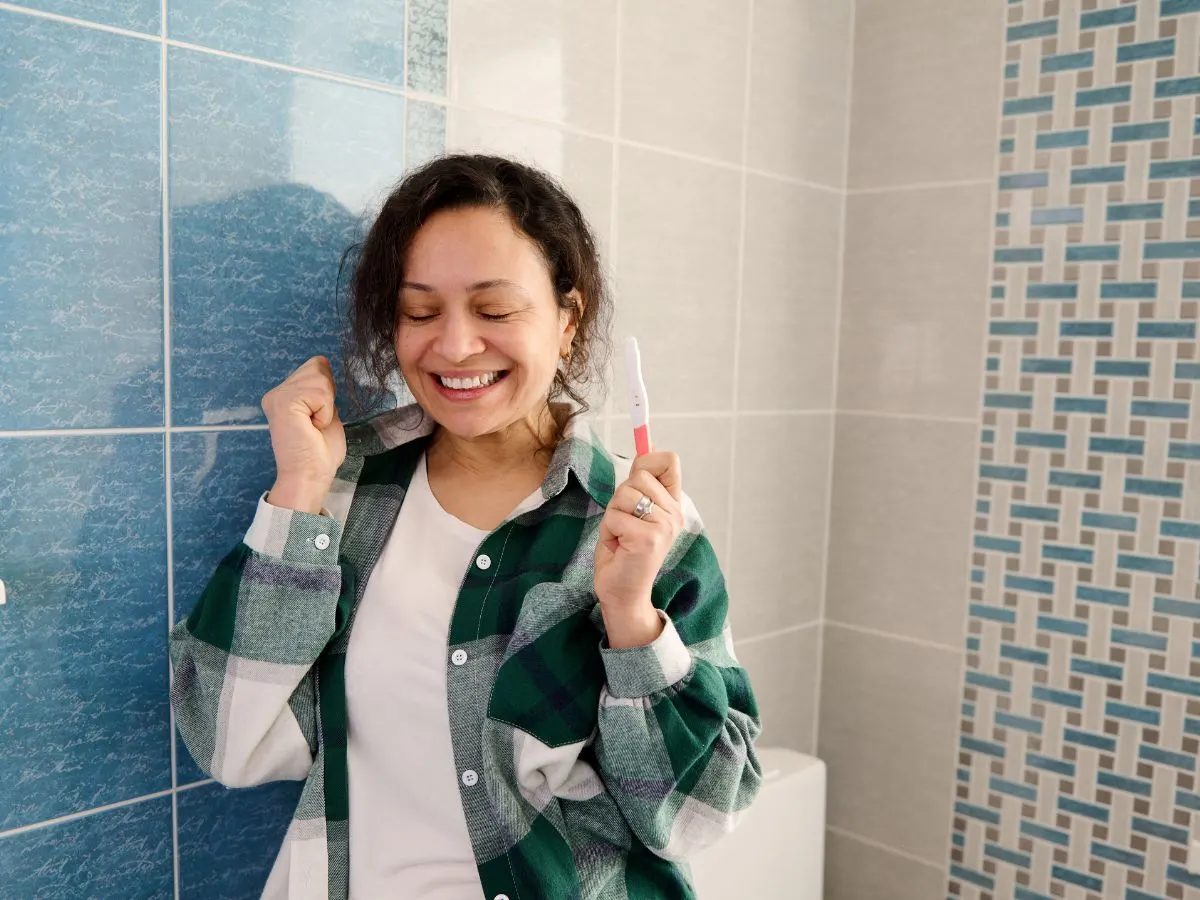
x=307 y=436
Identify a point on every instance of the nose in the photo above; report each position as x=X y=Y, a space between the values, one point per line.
x=459 y=338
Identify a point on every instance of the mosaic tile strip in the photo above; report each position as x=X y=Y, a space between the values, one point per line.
x=1081 y=716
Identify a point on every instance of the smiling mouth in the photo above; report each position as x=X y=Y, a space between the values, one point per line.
x=473 y=383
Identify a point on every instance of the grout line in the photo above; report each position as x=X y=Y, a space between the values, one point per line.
x=83 y=814
x=404 y=77
x=407 y=135
x=125 y=432
x=794 y=181
x=779 y=632
x=739 y=299
x=82 y=23
x=286 y=67
x=887 y=848
x=833 y=387
x=598 y=416
x=997 y=102
x=192 y=785
x=165 y=162
x=613 y=211
x=918 y=417
x=908 y=639
x=921 y=186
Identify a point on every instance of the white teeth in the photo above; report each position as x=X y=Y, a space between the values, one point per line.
x=466 y=384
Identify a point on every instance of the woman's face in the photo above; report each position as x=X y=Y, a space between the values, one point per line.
x=480 y=332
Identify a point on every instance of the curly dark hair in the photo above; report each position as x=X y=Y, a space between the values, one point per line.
x=537 y=205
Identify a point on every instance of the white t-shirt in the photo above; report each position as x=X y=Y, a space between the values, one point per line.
x=408 y=834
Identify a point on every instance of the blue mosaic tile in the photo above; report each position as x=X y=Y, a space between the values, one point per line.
x=81 y=203
x=83 y=666
x=427 y=46
x=1148 y=50
x=1178 y=168
x=260 y=218
x=1141 y=131
x=1064 y=62
x=426 y=135
x=119 y=854
x=360 y=38
x=1056 y=140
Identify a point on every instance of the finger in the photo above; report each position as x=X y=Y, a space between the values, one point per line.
x=629 y=531
x=645 y=485
x=629 y=495
x=665 y=467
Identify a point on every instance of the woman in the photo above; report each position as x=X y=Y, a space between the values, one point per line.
x=497 y=654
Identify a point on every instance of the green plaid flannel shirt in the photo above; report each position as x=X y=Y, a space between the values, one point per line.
x=599 y=770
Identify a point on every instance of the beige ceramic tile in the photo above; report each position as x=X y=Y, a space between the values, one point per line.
x=914 y=302
x=900 y=526
x=789 y=296
x=683 y=75
x=676 y=286
x=800 y=89
x=539 y=58
x=783 y=673
x=926 y=91
x=781 y=477
x=889 y=716
x=858 y=871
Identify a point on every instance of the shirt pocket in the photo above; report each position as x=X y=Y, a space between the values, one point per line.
x=549 y=683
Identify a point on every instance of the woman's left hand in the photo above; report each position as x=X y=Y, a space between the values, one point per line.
x=631 y=550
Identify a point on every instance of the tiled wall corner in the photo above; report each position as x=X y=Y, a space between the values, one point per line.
x=920 y=194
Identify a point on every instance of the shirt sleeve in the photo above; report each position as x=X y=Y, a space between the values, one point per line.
x=243 y=690
x=678 y=719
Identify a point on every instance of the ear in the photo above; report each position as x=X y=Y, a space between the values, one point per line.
x=570 y=319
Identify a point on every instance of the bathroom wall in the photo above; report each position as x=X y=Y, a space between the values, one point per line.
x=1009 y=679
x=914 y=307
x=177 y=182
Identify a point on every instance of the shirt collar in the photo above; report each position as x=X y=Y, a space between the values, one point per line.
x=580 y=453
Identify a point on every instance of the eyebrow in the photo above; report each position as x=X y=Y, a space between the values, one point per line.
x=477 y=286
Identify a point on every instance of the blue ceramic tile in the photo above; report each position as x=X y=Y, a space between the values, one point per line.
x=83 y=666
x=427 y=53
x=270 y=175
x=81 y=244
x=362 y=38
x=426 y=135
x=134 y=15
x=121 y=854
x=228 y=840
x=216 y=480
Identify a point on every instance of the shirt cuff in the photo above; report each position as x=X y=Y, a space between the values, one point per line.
x=293 y=535
x=641 y=671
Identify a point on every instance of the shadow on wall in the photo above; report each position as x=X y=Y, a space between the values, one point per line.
x=253 y=296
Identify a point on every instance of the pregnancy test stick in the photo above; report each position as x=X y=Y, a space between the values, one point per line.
x=639 y=407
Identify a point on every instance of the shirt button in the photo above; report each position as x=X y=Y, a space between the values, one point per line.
x=483 y=561
x=322 y=541
x=458 y=657
x=470 y=778
x=501 y=897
